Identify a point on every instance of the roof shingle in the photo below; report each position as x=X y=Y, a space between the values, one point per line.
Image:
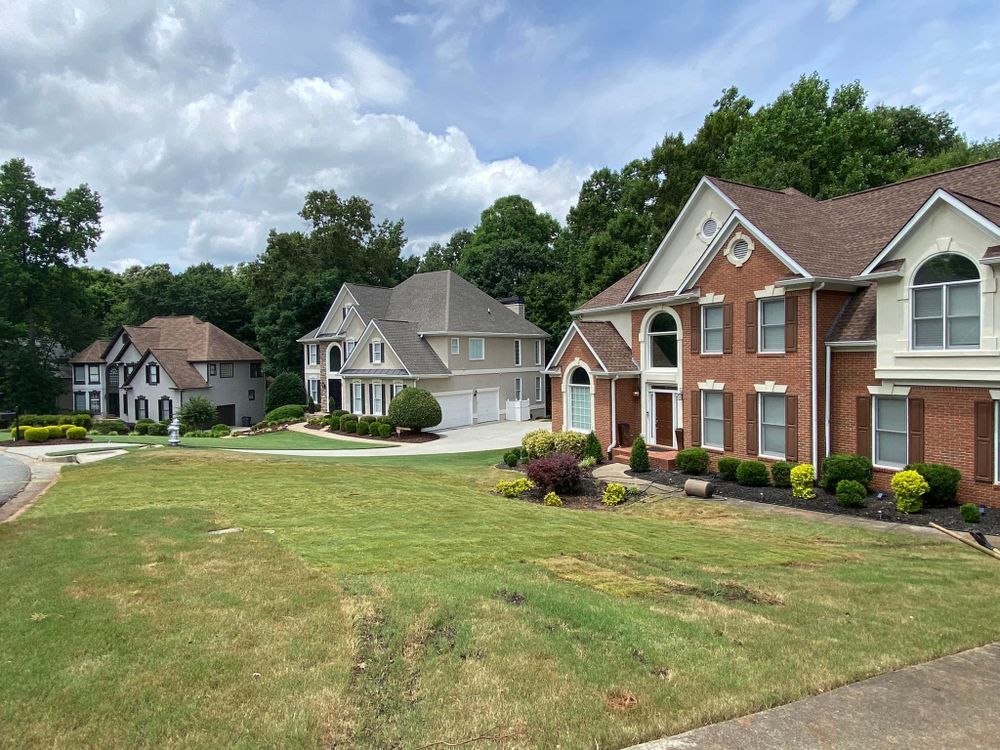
x=608 y=345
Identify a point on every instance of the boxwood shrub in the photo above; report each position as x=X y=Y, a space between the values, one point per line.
x=638 y=458
x=942 y=480
x=781 y=473
x=693 y=460
x=76 y=433
x=851 y=494
x=287 y=413
x=55 y=432
x=368 y=418
x=107 y=426
x=752 y=474
x=363 y=427
x=727 y=468
x=969 y=512
x=415 y=409
x=36 y=434
x=156 y=429
x=384 y=430
x=845 y=466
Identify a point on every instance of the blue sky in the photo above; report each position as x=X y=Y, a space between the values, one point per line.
x=203 y=124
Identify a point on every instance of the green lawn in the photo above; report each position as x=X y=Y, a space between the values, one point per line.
x=285 y=440
x=394 y=602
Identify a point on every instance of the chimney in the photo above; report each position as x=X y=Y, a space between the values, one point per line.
x=514 y=304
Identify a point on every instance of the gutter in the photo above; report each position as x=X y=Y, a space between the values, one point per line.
x=614 y=416
x=813 y=376
x=826 y=441
x=677 y=298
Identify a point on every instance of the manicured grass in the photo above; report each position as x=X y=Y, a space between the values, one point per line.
x=393 y=602
x=285 y=440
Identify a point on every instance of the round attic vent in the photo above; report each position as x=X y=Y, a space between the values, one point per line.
x=741 y=249
x=709 y=228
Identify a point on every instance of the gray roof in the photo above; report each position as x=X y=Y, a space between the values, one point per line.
x=311 y=336
x=372 y=301
x=417 y=355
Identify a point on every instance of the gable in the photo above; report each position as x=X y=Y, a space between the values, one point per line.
x=334 y=318
x=572 y=348
x=760 y=268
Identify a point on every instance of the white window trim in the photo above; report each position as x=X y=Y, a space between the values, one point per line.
x=349 y=347
x=456 y=346
x=378 y=353
x=760 y=327
x=945 y=291
x=480 y=358
x=396 y=389
x=720 y=329
x=568 y=396
x=357 y=394
x=760 y=425
x=518 y=354
x=518 y=389
x=539 y=350
x=539 y=389
x=313 y=384
x=378 y=407
x=647 y=340
x=906 y=431
x=704 y=394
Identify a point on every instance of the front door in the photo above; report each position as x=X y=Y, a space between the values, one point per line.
x=663 y=409
x=335 y=394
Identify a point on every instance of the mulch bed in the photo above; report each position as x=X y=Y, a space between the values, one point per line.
x=826 y=502
x=587 y=497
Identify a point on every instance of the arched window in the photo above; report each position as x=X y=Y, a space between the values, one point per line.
x=334 y=361
x=945 y=304
x=663 y=341
x=581 y=407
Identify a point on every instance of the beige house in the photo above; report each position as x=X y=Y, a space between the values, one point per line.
x=479 y=356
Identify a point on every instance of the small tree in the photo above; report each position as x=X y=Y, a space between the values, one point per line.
x=639 y=458
x=593 y=448
x=414 y=409
x=199 y=412
x=286 y=389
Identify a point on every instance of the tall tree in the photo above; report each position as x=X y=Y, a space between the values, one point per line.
x=440 y=257
x=41 y=236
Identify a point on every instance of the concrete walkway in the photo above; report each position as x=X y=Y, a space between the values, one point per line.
x=945 y=703
x=481 y=437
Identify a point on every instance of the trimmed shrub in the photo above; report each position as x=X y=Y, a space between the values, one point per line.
x=199 y=412
x=55 y=432
x=592 y=448
x=943 y=482
x=693 y=460
x=414 y=409
x=510 y=458
x=538 y=443
x=727 y=468
x=803 y=478
x=969 y=512
x=65 y=427
x=570 y=442
x=287 y=413
x=350 y=426
x=36 y=434
x=845 y=466
x=553 y=500
x=106 y=426
x=614 y=494
x=157 y=429
x=338 y=413
x=142 y=427
x=384 y=430
x=752 y=474
x=909 y=488
x=221 y=430
x=363 y=427
x=286 y=389
x=21 y=430
x=558 y=472
x=514 y=487
x=851 y=494
x=76 y=433
x=369 y=418
x=638 y=458
x=588 y=462
x=781 y=474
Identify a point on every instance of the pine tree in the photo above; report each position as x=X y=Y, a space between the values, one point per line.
x=639 y=459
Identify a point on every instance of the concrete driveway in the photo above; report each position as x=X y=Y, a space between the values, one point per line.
x=14 y=475
x=480 y=437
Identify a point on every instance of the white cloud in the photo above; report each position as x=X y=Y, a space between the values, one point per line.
x=375 y=78
x=838 y=10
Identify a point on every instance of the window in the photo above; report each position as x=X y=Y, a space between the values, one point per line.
x=256 y=370
x=946 y=304
x=357 y=398
x=397 y=388
x=538 y=388
x=377 y=396
x=313 y=389
x=334 y=362
x=349 y=347
x=213 y=370
x=477 y=349
x=141 y=408
x=94 y=406
x=580 y=401
x=772 y=425
x=251 y=395
x=80 y=401
x=712 y=425
x=165 y=407
x=663 y=341
x=347 y=310
x=538 y=351
x=225 y=369
x=312 y=354
x=152 y=374
x=113 y=376
x=518 y=389
x=772 y=326
x=93 y=374
x=517 y=352
x=890 y=431
x=456 y=346
x=376 y=352
x=79 y=374
x=711 y=329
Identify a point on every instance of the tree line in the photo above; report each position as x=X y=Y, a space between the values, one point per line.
x=822 y=141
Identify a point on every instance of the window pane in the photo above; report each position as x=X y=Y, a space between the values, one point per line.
x=713 y=433
x=772 y=339
x=943 y=268
x=890 y=414
x=928 y=333
x=773 y=440
x=927 y=303
x=773 y=410
x=579 y=407
x=713 y=341
x=713 y=317
x=773 y=312
x=963 y=300
x=890 y=448
x=713 y=406
x=664 y=350
x=963 y=331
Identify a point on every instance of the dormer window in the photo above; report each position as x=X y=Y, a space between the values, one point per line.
x=347 y=310
x=945 y=303
x=375 y=350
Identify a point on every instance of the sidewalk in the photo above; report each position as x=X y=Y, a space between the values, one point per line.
x=945 y=703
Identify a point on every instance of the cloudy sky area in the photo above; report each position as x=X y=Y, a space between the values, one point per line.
x=202 y=124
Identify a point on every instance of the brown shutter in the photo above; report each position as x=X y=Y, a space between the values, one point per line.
x=695 y=409
x=915 y=453
x=792 y=428
x=752 y=437
x=727 y=328
x=727 y=420
x=695 y=329
x=863 y=423
x=983 y=467
x=751 y=327
x=791 y=324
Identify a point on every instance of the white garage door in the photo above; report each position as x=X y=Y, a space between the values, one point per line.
x=456 y=409
x=488 y=405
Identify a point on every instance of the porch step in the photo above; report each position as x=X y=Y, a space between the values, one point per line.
x=659 y=458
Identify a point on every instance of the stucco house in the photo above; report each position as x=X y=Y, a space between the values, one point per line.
x=435 y=331
x=149 y=371
x=771 y=325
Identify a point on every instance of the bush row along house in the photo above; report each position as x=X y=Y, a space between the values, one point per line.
x=771 y=325
x=149 y=371
x=435 y=331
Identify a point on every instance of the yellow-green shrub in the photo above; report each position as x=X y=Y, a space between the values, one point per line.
x=514 y=487
x=542 y=443
x=909 y=488
x=570 y=442
x=76 y=433
x=553 y=500
x=55 y=432
x=36 y=434
x=803 y=479
x=614 y=494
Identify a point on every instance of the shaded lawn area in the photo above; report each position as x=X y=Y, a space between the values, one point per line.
x=393 y=602
x=284 y=440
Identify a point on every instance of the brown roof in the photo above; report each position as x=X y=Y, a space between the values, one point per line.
x=616 y=293
x=93 y=353
x=175 y=363
x=203 y=342
x=856 y=319
x=608 y=345
x=992 y=252
x=888 y=265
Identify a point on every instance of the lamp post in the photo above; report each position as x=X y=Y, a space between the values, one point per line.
x=174 y=432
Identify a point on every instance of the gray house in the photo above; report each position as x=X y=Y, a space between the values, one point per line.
x=477 y=355
x=149 y=371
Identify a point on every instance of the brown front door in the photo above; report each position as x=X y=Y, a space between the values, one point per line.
x=664 y=419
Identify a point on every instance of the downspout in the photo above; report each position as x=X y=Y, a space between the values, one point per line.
x=814 y=423
x=826 y=443
x=614 y=416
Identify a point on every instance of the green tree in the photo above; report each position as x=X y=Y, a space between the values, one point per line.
x=287 y=389
x=199 y=412
x=440 y=257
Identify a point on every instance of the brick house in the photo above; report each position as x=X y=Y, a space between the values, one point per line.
x=771 y=325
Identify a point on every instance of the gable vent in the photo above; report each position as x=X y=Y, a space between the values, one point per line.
x=709 y=228
x=741 y=249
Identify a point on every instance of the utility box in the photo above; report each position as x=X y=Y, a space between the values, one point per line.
x=518 y=411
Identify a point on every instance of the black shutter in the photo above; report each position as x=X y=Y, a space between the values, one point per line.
x=371 y=352
x=695 y=409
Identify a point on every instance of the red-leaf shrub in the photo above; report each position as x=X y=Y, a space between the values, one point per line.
x=559 y=472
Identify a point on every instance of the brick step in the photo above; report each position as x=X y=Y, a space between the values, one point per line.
x=659 y=458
